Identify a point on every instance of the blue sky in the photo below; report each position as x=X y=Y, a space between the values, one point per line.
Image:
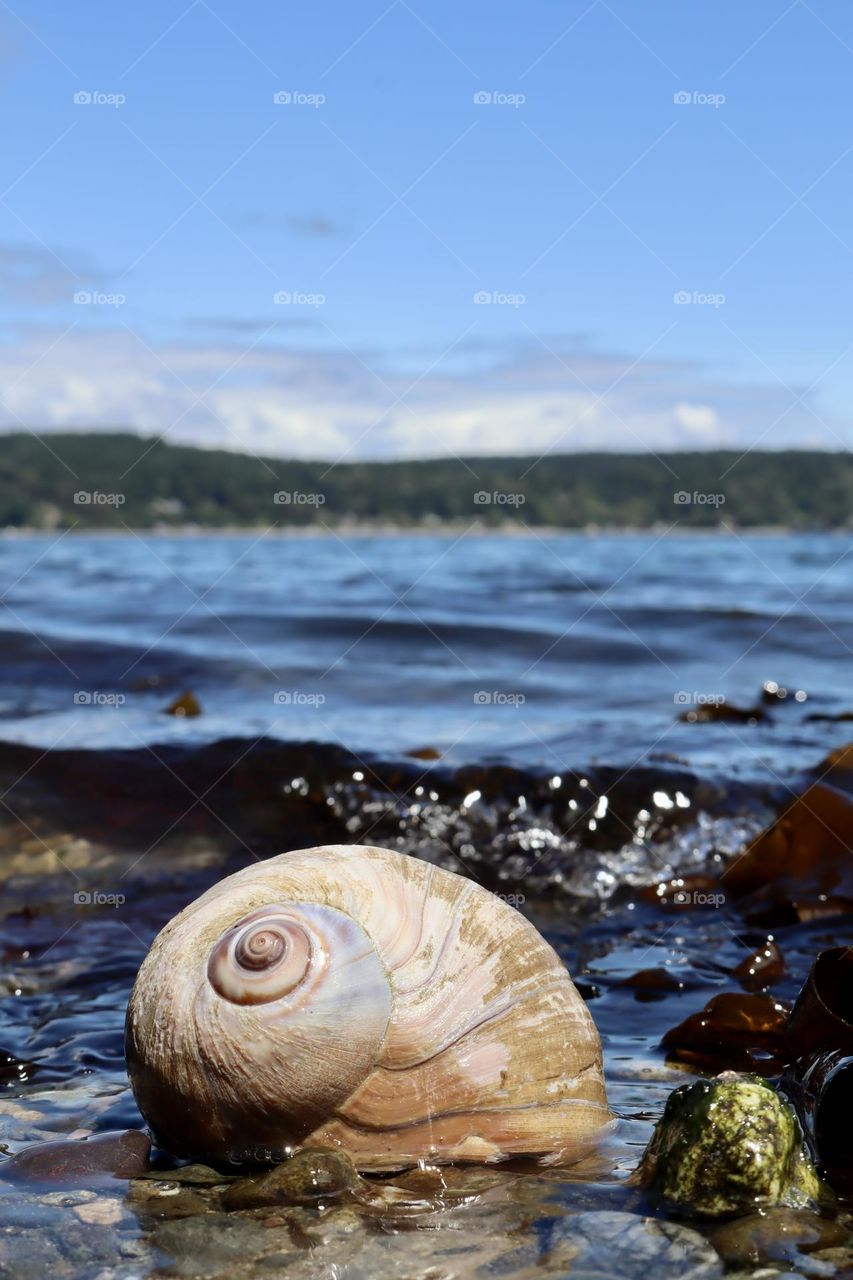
x=580 y=201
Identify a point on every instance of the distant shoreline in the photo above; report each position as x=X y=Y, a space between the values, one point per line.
x=110 y=481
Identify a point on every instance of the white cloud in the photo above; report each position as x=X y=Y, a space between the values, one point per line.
x=700 y=420
x=331 y=404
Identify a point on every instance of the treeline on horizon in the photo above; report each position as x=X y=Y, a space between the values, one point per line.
x=107 y=480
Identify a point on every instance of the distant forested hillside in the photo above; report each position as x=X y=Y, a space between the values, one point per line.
x=99 y=480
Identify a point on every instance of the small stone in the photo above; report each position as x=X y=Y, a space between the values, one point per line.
x=68 y=1197
x=104 y=1213
x=210 y=1241
x=182 y=1204
x=606 y=1245
x=278 y=1264
x=328 y=1227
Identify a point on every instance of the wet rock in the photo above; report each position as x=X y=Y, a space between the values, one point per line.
x=327 y=1177
x=307 y=1177
x=107 y=1155
x=779 y=1235
x=185 y=706
x=726 y=1146
x=606 y=1245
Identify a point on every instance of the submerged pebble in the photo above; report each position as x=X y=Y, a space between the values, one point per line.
x=606 y=1245
x=778 y=1235
x=210 y=1243
x=194 y=1175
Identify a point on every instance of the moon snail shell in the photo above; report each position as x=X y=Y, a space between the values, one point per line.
x=360 y=999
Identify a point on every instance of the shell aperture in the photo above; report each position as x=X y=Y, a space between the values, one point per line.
x=361 y=999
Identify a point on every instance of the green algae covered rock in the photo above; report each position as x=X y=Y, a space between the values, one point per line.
x=729 y=1145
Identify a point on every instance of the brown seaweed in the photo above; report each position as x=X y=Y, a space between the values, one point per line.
x=804 y=860
x=185 y=706
x=820 y=1080
x=735 y=1032
x=762 y=968
x=820 y=1086
x=822 y=1018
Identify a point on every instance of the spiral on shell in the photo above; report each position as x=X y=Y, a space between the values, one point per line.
x=357 y=998
x=263 y=957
